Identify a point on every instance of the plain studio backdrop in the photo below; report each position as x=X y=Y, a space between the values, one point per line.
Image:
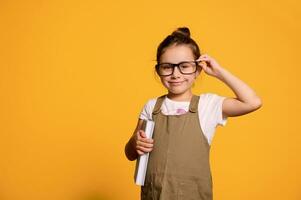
x=74 y=76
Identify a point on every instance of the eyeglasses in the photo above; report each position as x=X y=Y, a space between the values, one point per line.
x=186 y=67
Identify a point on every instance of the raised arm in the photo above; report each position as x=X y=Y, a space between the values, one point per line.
x=246 y=100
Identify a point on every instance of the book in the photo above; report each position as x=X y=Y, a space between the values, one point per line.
x=141 y=163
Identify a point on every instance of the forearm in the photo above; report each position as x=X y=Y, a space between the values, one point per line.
x=130 y=152
x=243 y=92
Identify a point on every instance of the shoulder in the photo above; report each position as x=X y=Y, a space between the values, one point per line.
x=210 y=95
x=150 y=103
x=210 y=107
x=147 y=110
x=211 y=98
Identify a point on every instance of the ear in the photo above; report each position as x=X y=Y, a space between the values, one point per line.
x=198 y=71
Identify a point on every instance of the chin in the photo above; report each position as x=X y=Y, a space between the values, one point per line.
x=176 y=91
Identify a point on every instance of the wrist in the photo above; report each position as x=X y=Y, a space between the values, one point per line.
x=221 y=74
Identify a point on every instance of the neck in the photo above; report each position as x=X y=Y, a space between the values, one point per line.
x=180 y=97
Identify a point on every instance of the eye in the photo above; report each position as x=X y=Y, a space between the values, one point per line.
x=186 y=65
x=165 y=66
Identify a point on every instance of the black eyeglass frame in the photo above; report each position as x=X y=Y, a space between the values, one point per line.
x=177 y=65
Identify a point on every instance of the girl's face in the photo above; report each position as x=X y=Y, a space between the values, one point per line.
x=178 y=84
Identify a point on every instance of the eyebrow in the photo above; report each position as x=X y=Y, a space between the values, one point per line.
x=177 y=63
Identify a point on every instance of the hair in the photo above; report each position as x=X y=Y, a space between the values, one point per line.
x=181 y=36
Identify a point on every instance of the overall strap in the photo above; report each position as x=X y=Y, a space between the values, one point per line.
x=193 y=107
x=158 y=104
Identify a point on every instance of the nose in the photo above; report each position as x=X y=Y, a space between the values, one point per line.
x=176 y=72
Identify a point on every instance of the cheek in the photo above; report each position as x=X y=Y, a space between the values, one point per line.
x=164 y=80
x=191 y=78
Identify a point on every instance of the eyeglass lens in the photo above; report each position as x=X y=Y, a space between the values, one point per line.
x=165 y=69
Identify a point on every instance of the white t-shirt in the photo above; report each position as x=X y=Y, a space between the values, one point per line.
x=209 y=110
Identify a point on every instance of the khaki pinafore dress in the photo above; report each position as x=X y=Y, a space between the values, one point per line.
x=178 y=166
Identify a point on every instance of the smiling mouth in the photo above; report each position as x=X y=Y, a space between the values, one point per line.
x=176 y=83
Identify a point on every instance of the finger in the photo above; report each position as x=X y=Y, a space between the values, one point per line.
x=142 y=137
x=145 y=150
x=144 y=144
x=200 y=57
x=204 y=59
x=202 y=63
x=204 y=66
x=147 y=140
x=142 y=133
x=140 y=152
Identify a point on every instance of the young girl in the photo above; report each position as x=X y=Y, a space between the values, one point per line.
x=178 y=166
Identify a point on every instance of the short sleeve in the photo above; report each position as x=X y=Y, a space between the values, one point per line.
x=211 y=113
x=221 y=120
x=147 y=110
x=212 y=110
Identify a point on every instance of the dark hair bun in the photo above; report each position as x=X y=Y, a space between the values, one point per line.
x=182 y=31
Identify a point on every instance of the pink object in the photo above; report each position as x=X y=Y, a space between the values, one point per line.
x=181 y=111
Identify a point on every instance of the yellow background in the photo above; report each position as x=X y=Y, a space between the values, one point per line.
x=74 y=76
